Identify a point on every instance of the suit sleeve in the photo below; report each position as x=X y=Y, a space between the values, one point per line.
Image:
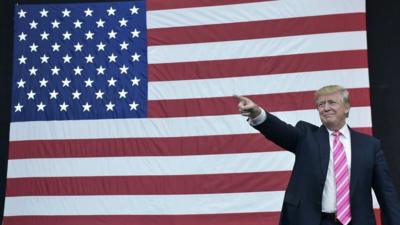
x=279 y=132
x=385 y=190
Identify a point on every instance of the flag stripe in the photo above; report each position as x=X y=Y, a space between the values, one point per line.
x=300 y=44
x=152 y=165
x=254 y=85
x=149 y=185
x=199 y=145
x=175 y=4
x=145 y=204
x=165 y=127
x=249 y=12
x=257 y=29
x=226 y=105
x=265 y=218
x=259 y=66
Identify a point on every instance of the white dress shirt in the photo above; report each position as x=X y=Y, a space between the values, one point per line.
x=329 y=192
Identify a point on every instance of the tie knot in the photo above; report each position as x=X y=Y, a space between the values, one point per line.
x=336 y=133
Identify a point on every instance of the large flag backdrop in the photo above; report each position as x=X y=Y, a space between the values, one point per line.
x=123 y=111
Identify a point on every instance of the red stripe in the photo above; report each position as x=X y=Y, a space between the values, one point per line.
x=258 y=66
x=257 y=29
x=264 y=218
x=175 y=4
x=364 y=130
x=221 y=144
x=228 y=105
x=149 y=185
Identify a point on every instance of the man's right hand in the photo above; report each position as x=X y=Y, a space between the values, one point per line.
x=247 y=107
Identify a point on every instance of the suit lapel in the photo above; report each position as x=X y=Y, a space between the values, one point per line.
x=324 y=148
x=356 y=155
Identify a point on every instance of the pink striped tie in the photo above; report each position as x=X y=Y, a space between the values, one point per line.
x=342 y=177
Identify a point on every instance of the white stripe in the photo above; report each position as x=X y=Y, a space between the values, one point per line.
x=300 y=44
x=250 y=12
x=145 y=204
x=153 y=165
x=374 y=200
x=253 y=85
x=343 y=211
x=344 y=196
x=163 y=127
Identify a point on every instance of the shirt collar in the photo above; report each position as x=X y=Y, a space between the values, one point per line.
x=344 y=131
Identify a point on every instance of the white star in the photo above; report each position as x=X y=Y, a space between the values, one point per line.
x=89 y=58
x=100 y=23
x=112 y=34
x=53 y=94
x=43 y=13
x=67 y=58
x=66 y=82
x=78 y=24
x=56 y=47
x=55 y=70
x=21 y=83
x=33 y=24
x=123 y=22
x=22 y=36
x=78 y=47
x=67 y=35
x=89 y=35
x=133 y=106
x=18 y=107
x=100 y=46
x=89 y=82
x=135 y=57
x=122 y=93
x=22 y=59
x=110 y=106
x=40 y=106
x=111 y=11
x=112 y=58
x=77 y=71
x=100 y=70
x=124 y=45
x=31 y=95
x=44 y=59
x=134 y=10
x=45 y=35
x=99 y=94
x=66 y=12
x=111 y=82
x=76 y=94
x=135 y=33
x=55 y=24
x=86 y=107
x=88 y=12
x=32 y=71
x=33 y=47
x=135 y=81
x=21 y=13
x=43 y=82
x=124 y=69
x=63 y=107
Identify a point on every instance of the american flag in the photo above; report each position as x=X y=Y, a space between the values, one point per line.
x=122 y=112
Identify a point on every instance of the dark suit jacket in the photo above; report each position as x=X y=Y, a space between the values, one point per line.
x=310 y=144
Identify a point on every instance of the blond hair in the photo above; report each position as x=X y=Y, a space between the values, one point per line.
x=330 y=89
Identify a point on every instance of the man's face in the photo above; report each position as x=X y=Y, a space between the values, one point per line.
x=332 y=110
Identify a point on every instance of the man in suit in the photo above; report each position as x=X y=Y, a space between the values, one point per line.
x=335 y=166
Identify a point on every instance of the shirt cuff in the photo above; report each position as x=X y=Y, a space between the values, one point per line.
x=259 y=119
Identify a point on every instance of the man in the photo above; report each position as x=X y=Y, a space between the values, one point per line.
x=335 y=166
